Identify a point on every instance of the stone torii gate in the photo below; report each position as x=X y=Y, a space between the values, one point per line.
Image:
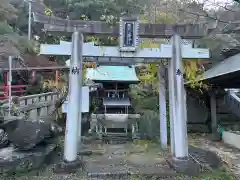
x=130 y=30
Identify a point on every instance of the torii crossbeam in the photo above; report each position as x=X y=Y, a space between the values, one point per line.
x=145 y=55
x=187 y=31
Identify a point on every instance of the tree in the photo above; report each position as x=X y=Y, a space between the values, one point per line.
x=166 y=14
x=103 y=10
x=12 y=41
x=20 y=23
x=93 y=9
x=7 y=11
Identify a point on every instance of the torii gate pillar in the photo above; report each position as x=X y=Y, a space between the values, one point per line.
x=73 y=125
x=178 y=101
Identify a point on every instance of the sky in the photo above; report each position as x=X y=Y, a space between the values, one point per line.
x=216 y=3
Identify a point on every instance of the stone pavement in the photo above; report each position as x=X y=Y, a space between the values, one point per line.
x=125 y=160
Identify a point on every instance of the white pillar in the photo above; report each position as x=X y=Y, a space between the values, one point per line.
x=185 y=118
x=75 y=79
x=171 y=103
x=80 y=92
x=29 y=19
x=180 y=129
x=162 y=106
x=10 y=85
x=133 y=129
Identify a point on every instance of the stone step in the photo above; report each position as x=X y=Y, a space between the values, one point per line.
x=116 y=134
x=116 y=140
x=113 y=136
x=126 y=171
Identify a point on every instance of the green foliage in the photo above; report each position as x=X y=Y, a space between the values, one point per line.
x=5 y=28
x=93 y=9
x=21 y=43
x=149 y=125
x=103 y=10
x=26 y=46
x=144 y=98
x=145 y=102
x=20 y=24
x=7 y=11
x=12 y=20
x=218 y=174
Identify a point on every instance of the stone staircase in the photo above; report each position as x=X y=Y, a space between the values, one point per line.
x=116 y=138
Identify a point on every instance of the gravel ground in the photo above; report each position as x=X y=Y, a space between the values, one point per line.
x=142 y=153
x=78 y=176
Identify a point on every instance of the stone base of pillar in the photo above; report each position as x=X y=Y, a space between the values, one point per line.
x=65 y=167
x=215 y=136
x=185 y=166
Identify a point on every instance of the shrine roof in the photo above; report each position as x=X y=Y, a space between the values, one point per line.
x=112 y=73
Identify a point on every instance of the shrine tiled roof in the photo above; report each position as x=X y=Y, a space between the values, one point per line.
x=112 y=73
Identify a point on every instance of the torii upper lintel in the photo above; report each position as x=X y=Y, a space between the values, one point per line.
x=187 y=31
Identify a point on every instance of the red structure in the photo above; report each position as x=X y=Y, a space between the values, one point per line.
x=24 y=72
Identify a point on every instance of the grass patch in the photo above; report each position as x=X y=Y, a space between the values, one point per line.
x=219 y=174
